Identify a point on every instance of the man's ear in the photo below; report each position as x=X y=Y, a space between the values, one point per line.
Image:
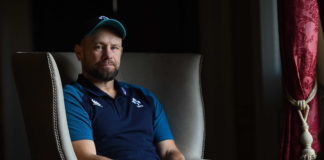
x=78 y=51
x=122 y=50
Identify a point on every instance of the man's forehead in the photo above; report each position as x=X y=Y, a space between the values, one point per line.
x=106 y=29
x=103 y=36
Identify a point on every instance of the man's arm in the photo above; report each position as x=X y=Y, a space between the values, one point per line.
x=86 y=150
x=169 y=151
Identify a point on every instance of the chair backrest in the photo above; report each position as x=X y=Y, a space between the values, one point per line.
x=173 y=78
x=41 y=98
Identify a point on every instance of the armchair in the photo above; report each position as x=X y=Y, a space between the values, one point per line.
x=173 y=78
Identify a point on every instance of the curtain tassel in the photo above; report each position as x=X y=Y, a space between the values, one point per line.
x=306 y=139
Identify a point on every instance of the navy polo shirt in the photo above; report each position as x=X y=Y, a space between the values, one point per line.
x=127 y=127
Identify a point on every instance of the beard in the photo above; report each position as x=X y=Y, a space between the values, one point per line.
x=101 y=74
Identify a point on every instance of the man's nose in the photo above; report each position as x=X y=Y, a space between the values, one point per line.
x=107 y=53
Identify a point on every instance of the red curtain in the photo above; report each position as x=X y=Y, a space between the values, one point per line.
x=298 y=32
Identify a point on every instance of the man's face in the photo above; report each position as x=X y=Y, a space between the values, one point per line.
x=100 y=55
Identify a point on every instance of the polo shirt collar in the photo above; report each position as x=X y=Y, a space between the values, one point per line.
x=91 y=88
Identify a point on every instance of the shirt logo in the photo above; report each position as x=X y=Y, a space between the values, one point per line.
x=137 y=102
x=95 y=103
x=103 y=18
x=124 y=91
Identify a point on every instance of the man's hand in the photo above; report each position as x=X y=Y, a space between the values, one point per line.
x=86 y=150
x=168 y=150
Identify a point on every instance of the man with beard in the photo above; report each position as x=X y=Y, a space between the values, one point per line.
x=109 y=119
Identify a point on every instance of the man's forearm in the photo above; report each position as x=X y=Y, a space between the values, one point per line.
x=95 y=157
x=86 y=150
x=174 y=155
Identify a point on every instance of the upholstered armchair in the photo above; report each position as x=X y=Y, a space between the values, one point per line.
x=173 y=78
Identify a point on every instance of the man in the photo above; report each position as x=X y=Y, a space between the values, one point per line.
x=109 y=119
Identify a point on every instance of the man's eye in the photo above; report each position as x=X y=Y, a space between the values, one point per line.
x=98 y=47
x=114 y=48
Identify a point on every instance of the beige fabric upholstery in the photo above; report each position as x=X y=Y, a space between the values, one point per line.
x=41 y=97
x=173 y=78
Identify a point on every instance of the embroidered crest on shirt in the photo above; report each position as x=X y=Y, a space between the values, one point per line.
x=124 y=91
x=137 y=102
x=95 y=103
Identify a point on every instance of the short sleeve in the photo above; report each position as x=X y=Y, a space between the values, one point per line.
x=77 y=118
x=161 y=127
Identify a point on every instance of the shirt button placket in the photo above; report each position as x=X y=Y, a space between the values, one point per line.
x=116 y=107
